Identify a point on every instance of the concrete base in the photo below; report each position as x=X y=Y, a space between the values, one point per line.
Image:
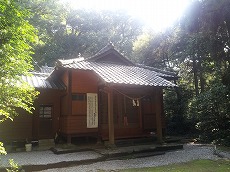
x=45 y=144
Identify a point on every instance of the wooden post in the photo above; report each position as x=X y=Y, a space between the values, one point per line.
x=70 y=82
x=110 y=116
x=140 y=114
x=70 y=92
x=158 y=94
x=99 y=140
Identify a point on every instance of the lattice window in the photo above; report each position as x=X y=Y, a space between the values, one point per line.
x=45 y=111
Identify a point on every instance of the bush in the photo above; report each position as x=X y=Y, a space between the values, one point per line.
x=176 y=110
x=212 y=110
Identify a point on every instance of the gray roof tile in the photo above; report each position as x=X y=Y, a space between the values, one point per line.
x=121 y=74
x=39 y=80
x=160 y=72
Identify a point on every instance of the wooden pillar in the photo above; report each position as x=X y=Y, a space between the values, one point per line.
x=99 y=140
x=70 y=92
x=140 y=114
x=110 y=116
x=69 y=137
x=158 y=105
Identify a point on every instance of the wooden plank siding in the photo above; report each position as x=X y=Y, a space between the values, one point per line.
x=18 y=129
x=141 y=119
x=75 y=123
x=120 y=133
x=64 y=99
x=51 y=98
x=84 y=81
x=28 y=126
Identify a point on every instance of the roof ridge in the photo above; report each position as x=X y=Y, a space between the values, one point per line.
x=104 y=49
x=107 y=48
x=157 y=70
x=70 y=61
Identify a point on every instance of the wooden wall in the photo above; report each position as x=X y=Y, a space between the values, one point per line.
x=18 y=129
x=74 y=112
x=74 y=122
x=84 y=81
x=146 y=112
x=47 y=97
x=65 y=98
x=27 y=126
x=149 y=106
x=70 y=115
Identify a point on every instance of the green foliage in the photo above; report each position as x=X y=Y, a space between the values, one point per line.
x=196 y=165
x=197 y=48
x=16 y=38
x=176 y=104
x=141 y=46
x=81 y=32
x=154 y=49
x=14 y=167
x=213 y=111
x=49 y=18
x=2 y=149
x=17 y=35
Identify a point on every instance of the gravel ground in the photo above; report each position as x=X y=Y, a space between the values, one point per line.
x=190 y=152
x=45 y=157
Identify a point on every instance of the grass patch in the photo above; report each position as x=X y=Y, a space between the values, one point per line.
x=196 y=165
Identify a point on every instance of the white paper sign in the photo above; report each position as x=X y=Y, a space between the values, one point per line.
x=92 y=110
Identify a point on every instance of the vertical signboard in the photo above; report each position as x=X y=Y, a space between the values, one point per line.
x=92 y=110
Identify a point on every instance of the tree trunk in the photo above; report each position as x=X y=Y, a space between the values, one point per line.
x=195 y=75
x=202 y=80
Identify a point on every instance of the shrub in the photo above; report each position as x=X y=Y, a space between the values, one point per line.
x=213 y=112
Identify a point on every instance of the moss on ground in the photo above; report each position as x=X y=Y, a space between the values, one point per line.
x=196 y=165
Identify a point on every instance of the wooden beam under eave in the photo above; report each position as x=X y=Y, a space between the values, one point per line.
x=110 y=116
x=158 y=110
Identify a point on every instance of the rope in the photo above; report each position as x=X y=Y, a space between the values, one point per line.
x=131 y=98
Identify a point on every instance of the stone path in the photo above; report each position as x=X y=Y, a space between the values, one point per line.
x=190 y=152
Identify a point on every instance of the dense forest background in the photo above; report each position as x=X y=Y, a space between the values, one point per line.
x=196 y=47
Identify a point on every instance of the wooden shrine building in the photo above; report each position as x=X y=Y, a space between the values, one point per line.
x=106 y=96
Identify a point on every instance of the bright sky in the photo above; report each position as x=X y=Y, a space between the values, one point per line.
x=156 y=14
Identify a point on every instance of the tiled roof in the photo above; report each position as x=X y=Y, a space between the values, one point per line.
x=46 y=69
x=121 y=74
x=160 y=72
x=108 y=49
x=68 y=61
x=39 y=80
